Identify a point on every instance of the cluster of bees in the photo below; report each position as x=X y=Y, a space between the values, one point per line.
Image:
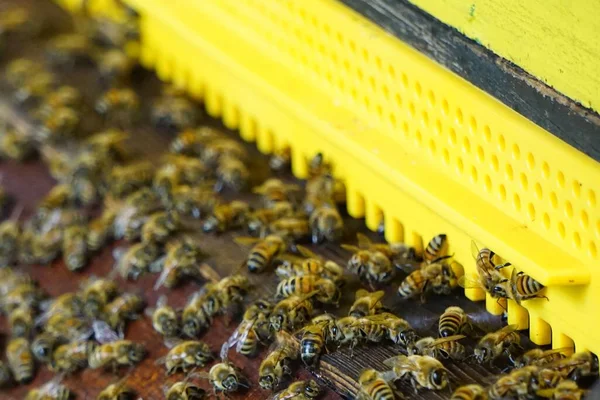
x=156 y=210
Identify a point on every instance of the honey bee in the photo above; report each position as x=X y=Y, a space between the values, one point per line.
x=9 y=279
x=115 y=66
x=300 y=390
x=290 y=313
x=372 y=267
x=453 y=321
x=52 y=390
x=183 y=260
x=470 y=392
x=125 y=180
x=186 y=355
x=63 y=96
x=178 y=170
x=114 y=351
x=436 y=248
x=43 y=346
x=192 y=202
x=371 y=328
x=95 y=294
x=492 y=345
x=67 y=305
x=230 y=290
x=14 y=145
x=10 y=232
x=538 y=357
x=447 y=347
x=423 y=372
x=488 y=274
x=565 y=390
x=232 y=173
x=276 y=364
x=136 y=260
x=184 y=390
x=436 y=277
x=514 y=385
x=366 y=303
x=74 y=248
x=225 y=377
x=68 y=49
x=72 y=356
x=61 y=124
x=314 y=339
x=327 y=291
x=519 y=287
x=326 y=223
x=258 y=221
x=133 y=214
x=21 y=322
x=26 y=294
x=5 y=375
x=348 y=332
x=175 y=113
x=192 y=142
x=399 y=330
x=218 y=149
x=116 y=391
x=577 y=366
x=118 y=104
x=311 y=265
x=100 y=230
x=227 y=216
x=263 y=252
x=108 y=143
x=67 y=328
x=199 y=311
x=253 y=329
x=59 y=197
x=274 y=190
x=122 y=309
x=36 y=87
x=20 y=360
x=290 y=228
x=321 y=190
x=281 y=160
x=165 y=319
x=373 y=386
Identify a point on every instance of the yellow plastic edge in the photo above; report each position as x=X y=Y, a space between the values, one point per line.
x=267 y=69
x=554 y=40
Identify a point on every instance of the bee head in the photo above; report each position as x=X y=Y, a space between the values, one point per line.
x=267 y=381
x=481 y=354
x=311 y=390
x=438 y=378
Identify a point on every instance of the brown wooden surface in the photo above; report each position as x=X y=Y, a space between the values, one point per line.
x=28 y=182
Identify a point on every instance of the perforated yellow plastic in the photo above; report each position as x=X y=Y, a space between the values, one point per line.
x=417 y=147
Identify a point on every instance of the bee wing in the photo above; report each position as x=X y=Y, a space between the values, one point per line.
x=399 y=360
x=474 y=250
x=306 y=252
x=158 y=264
x=361 y=293
x=162 y=301
x=208 y=273
x=163 y=276
x=243 y=335
x=119 y=252
x=172 y=342
x=363 y=241
x=104 y=333
x=246 y=240
x=350 y=248
x=467 y=283
x=552 y=352
x=224 y=351
x=282 y=395
x=388 y=376
x=507 y=330
x=439 y=341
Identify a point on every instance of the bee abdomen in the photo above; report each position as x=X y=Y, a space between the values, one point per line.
x=434 y=247
x=310 y=348
x=381 y=391
x=449 y=325
x=257 y=261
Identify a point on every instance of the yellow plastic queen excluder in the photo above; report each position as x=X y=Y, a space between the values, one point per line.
x=418 y=147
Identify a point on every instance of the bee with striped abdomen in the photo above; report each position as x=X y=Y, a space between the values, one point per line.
x=117 y=391
x=72 y=356
x=292 y=312
x=276 y=364
x=183 y=260
x=447 y=347
x=227 y=216
x=373 y=386
x=258 y=221
x=186 y=355
x=135 y=261
x=312 y=264
x=290 y=228
x=470 y=392
x=519 y=287
x=436 y=248
x=253 y=329
x=124 y=308
x=326 y=223
x=96 y=293
x=539 y=357
x=423 y=372
x=327 y=290
x=453 y=321
x=263 y=252
x=199 y=311
x=366 y=303
x=576 y=366
x=493 y=344
x=113 y=351
x=232 y=173
x=174 y=113
x=160 y=226
x=21 y=322
x=100 y=230
x=165 y=319
x=314 y=339
x=274 y=190
x=20 y=360
x=300 y=390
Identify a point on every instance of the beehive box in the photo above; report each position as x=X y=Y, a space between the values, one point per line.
x=419 y=148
